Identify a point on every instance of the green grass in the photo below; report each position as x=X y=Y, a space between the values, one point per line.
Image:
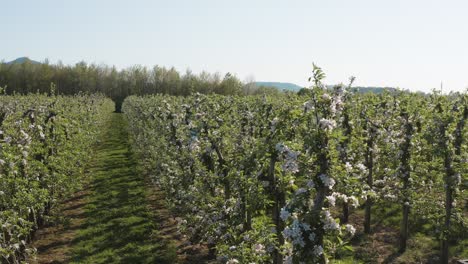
x=119 y=225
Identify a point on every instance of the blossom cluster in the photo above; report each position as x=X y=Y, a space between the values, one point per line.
x=290 y=158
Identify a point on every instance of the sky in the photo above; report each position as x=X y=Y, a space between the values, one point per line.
x=410 y=44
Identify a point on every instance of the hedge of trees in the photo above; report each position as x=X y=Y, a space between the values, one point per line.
x=116 y=83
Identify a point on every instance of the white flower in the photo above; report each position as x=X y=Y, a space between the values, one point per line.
x=232 y=261
x=284 y=214
x=333 y=109
x=361 y=167
x=259 y=249
x=354 y=201
x=290 y=158
x=290 y=166
x=327 y=181
x=279 y=147
x=348 y=167
x=194 y=144
x=274 y=122
x=292 y=155
x=308 y=106
x=331 y=200
x=318 y=250
x=24 y=134
x=457 y=178
x=390 y=197
x=339 y=103
x=327 y=124
x=294 y=232
x=312 y=237
x=350 y=229
x=328 y=222
x=300 y=191
x=326 y=96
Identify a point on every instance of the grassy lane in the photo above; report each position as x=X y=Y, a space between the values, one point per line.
x=119 y=225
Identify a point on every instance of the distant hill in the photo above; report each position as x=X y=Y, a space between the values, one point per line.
x=362 y=89
x=295 y=88
x=281 y=86
x=23 y=60
x=377 y=90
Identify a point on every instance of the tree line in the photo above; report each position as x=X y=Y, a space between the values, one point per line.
x=27 y=77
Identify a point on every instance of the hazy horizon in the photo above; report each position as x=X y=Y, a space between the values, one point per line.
x=414 y=45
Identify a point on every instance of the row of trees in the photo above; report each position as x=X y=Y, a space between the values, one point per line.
x=277 y=179
x=44 y=142
x=31 y=77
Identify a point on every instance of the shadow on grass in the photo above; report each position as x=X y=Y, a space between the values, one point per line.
x=119 y=226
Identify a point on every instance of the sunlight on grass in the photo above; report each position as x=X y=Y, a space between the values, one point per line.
x=119 y=226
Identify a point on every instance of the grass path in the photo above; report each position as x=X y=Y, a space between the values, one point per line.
x=119 y=225
x=112 y=220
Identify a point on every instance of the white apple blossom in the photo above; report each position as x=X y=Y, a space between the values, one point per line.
x=327 y=181
x=284 y=214
x=308 y=106
x=350 y=229
x=318 y=250
x=327 y=124
x=328 y=222
x=331 y=200
x=326 y=96
x=259 y=249
x=300 y=191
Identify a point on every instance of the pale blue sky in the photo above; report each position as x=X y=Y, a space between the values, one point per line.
x=412 y=44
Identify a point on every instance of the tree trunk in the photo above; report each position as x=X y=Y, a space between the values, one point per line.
x=318 y=205
x=404 y=228
x=406 y=174
x=224 y=172
x=449 y=178
x=367 y=218
x=276 y=208
x=345 y=213
x=370 y=180
x=448 y=213
x=368 y=204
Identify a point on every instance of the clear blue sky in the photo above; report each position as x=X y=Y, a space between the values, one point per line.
x=412 y=44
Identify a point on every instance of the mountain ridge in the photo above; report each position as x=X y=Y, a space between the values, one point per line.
x=22 y=60
x=286 y=86
x=280 y=85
